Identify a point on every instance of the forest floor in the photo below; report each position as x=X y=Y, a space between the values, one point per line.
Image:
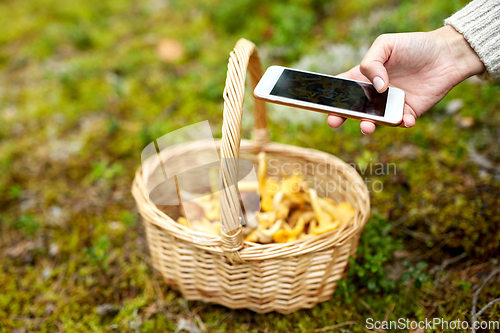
x=86 y=85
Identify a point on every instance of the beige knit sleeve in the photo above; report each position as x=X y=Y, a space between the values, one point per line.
x=479 y=23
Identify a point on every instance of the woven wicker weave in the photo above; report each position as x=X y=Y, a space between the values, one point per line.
x=230 y=271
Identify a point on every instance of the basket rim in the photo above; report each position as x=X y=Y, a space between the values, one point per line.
x=251 y=250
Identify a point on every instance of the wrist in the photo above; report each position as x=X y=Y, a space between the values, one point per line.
x=465 y=58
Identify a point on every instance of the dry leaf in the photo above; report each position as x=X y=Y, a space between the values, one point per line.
x=466 y=122
x=170 y=50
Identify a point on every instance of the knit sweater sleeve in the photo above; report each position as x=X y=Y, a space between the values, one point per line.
x=479 y=23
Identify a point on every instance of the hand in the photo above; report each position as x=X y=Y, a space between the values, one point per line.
x=426 y=65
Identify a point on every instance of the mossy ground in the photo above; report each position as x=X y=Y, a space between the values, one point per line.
x=83 y=91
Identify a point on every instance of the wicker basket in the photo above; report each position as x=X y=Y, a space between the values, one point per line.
x=238 y=274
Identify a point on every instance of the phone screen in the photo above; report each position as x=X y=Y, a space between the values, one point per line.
x=329 y=91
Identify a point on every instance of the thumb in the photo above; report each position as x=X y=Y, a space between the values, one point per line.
x=372 y=65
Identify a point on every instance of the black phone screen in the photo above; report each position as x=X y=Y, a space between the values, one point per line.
x=329 y=91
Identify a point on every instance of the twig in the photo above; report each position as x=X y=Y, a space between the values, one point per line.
x=389 y=311
x=433 y=251
x=59 y=326
x=487 y=306
x=222 y=319
x=446 y=263
x=421 y=236
x=367 y=306
x=334 y=326
x=201 y=325
x=475 y=315
x=400 y=221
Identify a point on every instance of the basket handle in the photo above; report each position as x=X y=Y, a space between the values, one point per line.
x=243 y=56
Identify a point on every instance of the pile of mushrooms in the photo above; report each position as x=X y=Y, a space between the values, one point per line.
x=289 y=210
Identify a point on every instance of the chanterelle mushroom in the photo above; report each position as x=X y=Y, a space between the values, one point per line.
x=284 y=236
x=324 y=222
x=342 y=212
x=321 y=216
x=293 y=187
x=261 y=173
x=278 y=197
x=214 y=212
x=266 y=235
x=204 y=225
x=266 y=219
x=252 y=237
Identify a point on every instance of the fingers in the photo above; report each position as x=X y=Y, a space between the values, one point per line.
x=408 y=120
x=334 y=121
x=409 y=117
x=354 y=74
x=372 y=65
x=367 y=127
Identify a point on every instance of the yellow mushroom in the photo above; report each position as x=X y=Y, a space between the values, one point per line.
x=267 y=204
x=214 y=212
x=283 y=209
x=329 y=200
x=266 y=219
x=261 y=173
x=281 y=205
x=308 y=216
x=294 y=217
x=318 y=228
x=207 y=206
x=324 y=222
x=183 y=221
x=278 y=197
x=328 y=208
x=293 y=184
x=281 y=236
x=342 y=212
x=292 y=187
x=252 y=237
x=268 y=189
x=346 y=212
x=266 y=235
x=204 y=225
x=306 y=196
x=305 y=236
x=289 y=234
x=321 y=216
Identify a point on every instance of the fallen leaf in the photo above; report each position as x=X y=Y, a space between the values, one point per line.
x=170 y=50
x=466 y=122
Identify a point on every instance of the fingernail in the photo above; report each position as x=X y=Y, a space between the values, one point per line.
x=378 y=83
x=406 y=126
x=363 y=132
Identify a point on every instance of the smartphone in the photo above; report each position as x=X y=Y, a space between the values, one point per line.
x=331 y=95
